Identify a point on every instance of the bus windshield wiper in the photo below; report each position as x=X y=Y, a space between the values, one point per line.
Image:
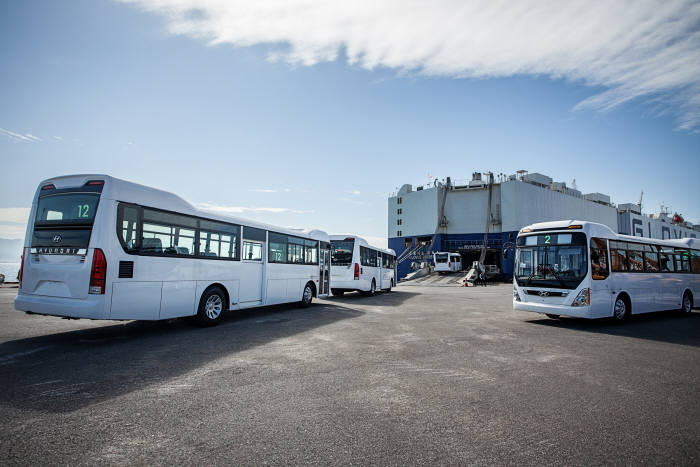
x=557 y=277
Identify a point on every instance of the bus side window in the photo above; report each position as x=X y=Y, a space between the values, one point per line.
x=599 y=259
x=128 y=227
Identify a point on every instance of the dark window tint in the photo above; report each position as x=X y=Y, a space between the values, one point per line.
x=277 y=248
x=311 y=252
x=651 y=261
x=619 y=260
x=168 y=218
x=599 y=258
x=695 y=261
x=666 y=261
x=635 y=261
x=251 y=233
x=67 y=208
x=128 y=227
x=341 y=252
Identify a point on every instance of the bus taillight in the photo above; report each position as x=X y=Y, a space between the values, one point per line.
x=98 y=275
x=357 y=272
x=21 y=269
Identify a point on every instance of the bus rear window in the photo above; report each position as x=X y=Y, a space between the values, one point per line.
x=342 y=252
x=67 y=208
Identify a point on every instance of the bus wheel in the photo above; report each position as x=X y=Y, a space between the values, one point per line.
x=308 y=295
x=338 y=292
x=372 y=288
x=550 y=315
x=620 y=311
x=687 y=306
x=211 y=307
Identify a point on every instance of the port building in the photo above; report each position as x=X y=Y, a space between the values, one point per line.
x=466 y=216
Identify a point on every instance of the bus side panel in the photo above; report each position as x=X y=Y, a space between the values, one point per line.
x=178 y=299
x=136 y=300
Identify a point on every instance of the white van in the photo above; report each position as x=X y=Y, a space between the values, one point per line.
x=447 y=262
x=356 y=265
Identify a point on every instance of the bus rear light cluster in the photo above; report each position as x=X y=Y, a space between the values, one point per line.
x=21 y=269
x=357 y=272
x=98 y=274
x=583 y=298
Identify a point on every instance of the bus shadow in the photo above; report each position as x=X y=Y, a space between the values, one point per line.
x=663 y=326
x=66 y=371
x=393 y=298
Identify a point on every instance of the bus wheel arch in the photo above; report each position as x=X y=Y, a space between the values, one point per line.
x=623 y=311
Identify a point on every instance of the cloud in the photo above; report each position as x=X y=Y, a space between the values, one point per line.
x=243 y=209
x=13 y=222
x=380 y=242
x=353 y=201
x=353 y=192
x=263 y=190
x=27 y=137
x=625 y=49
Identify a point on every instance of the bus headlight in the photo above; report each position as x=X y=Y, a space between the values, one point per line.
x=583 y=298
x=516 y=297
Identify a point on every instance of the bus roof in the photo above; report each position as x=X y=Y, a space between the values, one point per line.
x=599 y=230
x=363 y=242
x=130 y=192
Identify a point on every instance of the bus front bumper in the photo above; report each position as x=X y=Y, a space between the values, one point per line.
x=562 y=310
x=91 y=307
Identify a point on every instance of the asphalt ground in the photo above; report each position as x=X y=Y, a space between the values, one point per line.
x=421 y=375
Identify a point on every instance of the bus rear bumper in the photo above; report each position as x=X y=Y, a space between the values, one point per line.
x=91 y=307
x=345 y=285
x=562 y=310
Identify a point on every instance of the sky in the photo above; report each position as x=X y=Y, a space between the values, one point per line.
x=310 y=114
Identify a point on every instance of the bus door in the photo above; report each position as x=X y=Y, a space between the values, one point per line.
x=601 y=295
x=251 y=282
x=325 y=270
x=380 y=272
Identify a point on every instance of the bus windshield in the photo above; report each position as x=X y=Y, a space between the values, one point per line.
x=341 y=252
x=551 y=260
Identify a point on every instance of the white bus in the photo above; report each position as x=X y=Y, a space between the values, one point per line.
x=358 y=266
x=447 y=262
x=584 y=269
x=102 y=248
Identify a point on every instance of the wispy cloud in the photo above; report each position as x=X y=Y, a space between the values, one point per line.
x=633 y=50
x=353 y=201
x=13 y=222
x=26 y=137
x=271 y=190
x=243 y=209
x=353 y=192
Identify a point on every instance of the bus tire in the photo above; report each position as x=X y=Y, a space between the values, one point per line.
x=372 y=288
x=338 y=292
x=553 y=316
x=211 y=307
x=307 y=295
x=621 y=309
x=687 y=303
